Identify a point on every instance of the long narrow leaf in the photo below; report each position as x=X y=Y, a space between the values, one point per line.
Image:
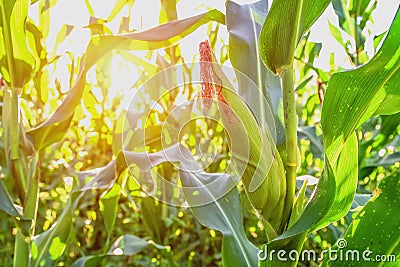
x=16 y=61
x=6 y=203
x=354 y=96
x=378 y=215
x=286 y=23
x=48 y=246
x=54 y=128
x=244 y=23
x=222 y=214
x=123 y=247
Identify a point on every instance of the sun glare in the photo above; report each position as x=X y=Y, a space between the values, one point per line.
x=144 y=14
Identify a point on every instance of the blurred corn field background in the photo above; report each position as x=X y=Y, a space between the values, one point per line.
x=89 y=120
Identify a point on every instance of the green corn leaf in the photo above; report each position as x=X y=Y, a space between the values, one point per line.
x=334 y=193
x=123 y=247
x=44 y=16
x=382 y=138
x=224 y=215
x=286 y=23
x=359 y=7
x=354 y=96
x=117 y=8
x=298 y=204
x=159 y=37
x=54 y=128
x=109 y=206
x=331 y=200
x=48 y=246
x=219 y=213
x=64 y=32
x=34 y=39
x=342 y=14
x=100 y=178
x=385 y=161
x=309 y=133
x=206 y=193
x=16 y=62
x=168 y=10
x=378 y=40
x=253 y=150
x=359 y=202
x=378 y=214
x=221 y=198
x=6 y=203
x=244 y=23
x=304 y=83
x=151 y=215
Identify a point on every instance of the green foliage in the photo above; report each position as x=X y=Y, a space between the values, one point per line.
x=222 y=214
x=123 y=247
x=6 y=203
x=367 y=91
x=334 y=193
x=295 y=161
x=16 y=60
x=377 y=214
x=285 y=24
x=167 y=34
x=353 y=22
x=48 y=246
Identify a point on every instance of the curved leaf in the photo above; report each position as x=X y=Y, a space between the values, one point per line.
x=335 y=191
x=109 y=206
x=208 y=194
x=6 y=203
x=333 y=195
x=286 y=23
x=16 y=60
x=222 y=214
x=354 y=96
x=330 y=201
x=48 y=246
x=205 y=193
x=378 y=214
x=54 y=128
x=124 y=246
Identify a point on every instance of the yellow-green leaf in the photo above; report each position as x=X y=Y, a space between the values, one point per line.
x=286 y=23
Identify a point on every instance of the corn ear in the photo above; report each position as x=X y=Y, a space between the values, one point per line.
x=253 y=151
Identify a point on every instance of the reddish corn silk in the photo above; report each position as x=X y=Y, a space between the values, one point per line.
x=211 y=84
x=206 y=74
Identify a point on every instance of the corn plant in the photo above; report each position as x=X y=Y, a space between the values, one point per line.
x=155 y=148
x=347 y=104
x=22 y=61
